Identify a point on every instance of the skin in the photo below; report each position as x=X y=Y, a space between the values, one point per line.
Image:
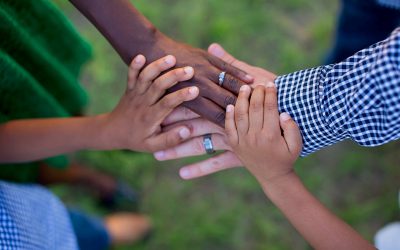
x=134 y=124
x=199 y=127
x=268 y=144
x=130 y=33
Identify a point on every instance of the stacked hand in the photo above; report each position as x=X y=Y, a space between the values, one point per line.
x=135 y=123
x=254 y=133
x=200 y=127
x=213 y=98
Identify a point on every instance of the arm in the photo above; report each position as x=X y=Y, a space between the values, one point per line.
x=254 y=133
x=134 y=124
x=321 y=228
x=30 y=140
x=131 y=33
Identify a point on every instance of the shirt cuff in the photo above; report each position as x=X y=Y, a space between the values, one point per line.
x=300 y=94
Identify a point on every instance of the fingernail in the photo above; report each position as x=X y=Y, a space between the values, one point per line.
x=193 y=90
x=188 y=70
x=160 y=155
x=285 y=116
x=229 y=108
x=169 y=60
x=248 y=77
x=138 y=59
x=184 y=173
x=184 y=133
x=244 y=88
x=217 y=50
x=270 y=85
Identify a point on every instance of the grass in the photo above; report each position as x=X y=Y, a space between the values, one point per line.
x=228 y=210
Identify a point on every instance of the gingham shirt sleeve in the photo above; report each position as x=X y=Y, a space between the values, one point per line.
x=358 y=98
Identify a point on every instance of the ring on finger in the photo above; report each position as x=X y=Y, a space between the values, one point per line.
x=221 y=78
x=208 y=144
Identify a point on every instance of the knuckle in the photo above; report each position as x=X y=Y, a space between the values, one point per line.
x=256 y=106
x=158 y=86
x=166 y=102
x=232 y=84
x=172 y=139
x=270 y=137
x=270 y=105
x=241 y=114
x=176 y=73
x=141 y=78
x=150 y=146
x=229 y=100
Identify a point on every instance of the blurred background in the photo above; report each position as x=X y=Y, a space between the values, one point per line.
x=228 y=210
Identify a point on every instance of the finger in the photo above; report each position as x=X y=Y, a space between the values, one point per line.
x=164 y=82
x=198 y=126
x=169 y=102
x=242 y=110
x=191 y=147
x=207 y=109
x=219 y=95
x=217 y=163
x=209 y=90
x=230 y=126
x=230 y=69
x=179 y=114
x=271 y=115
x=169 y=139
x=154 y=69
x=229 y=82
x=219 y=52
x=291 y=133
x=256 y=110
x=134 y=70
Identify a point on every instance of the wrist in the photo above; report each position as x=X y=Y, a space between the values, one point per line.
x=277 y=187
x=160 y=46
x=101 y=134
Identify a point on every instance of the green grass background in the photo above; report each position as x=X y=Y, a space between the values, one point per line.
x=228 y=210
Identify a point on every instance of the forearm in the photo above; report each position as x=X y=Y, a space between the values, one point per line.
x=128 y=31
x=357 y=98
x=321 y=228
x=30 y=140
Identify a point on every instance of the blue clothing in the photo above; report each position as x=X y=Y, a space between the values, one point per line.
x=33 y=218
x=90 y=232
x=362 y=23
x=358 y=98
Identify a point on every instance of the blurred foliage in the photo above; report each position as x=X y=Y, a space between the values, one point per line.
x=229 y=210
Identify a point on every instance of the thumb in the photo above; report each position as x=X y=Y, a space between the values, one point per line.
x=216 y=50
x=291 y=133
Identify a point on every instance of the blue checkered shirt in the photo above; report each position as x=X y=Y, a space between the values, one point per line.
x=358 y=98
x=33 y=218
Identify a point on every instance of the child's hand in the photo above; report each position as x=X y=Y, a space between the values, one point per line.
x=135 y=123
x=266 y=143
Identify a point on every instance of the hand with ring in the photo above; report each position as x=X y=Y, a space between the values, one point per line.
x=200 y=127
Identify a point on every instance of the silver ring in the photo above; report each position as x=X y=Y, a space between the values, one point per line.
x=221 y=78
x=208 y=145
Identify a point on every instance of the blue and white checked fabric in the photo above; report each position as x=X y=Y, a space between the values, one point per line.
x=33 y=218
x=358 y=98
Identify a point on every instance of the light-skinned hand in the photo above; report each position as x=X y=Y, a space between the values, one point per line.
x=267 y=143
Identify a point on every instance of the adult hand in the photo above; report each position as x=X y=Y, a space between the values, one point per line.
x=194 y=146
x=198 y=127
x=213 y=99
